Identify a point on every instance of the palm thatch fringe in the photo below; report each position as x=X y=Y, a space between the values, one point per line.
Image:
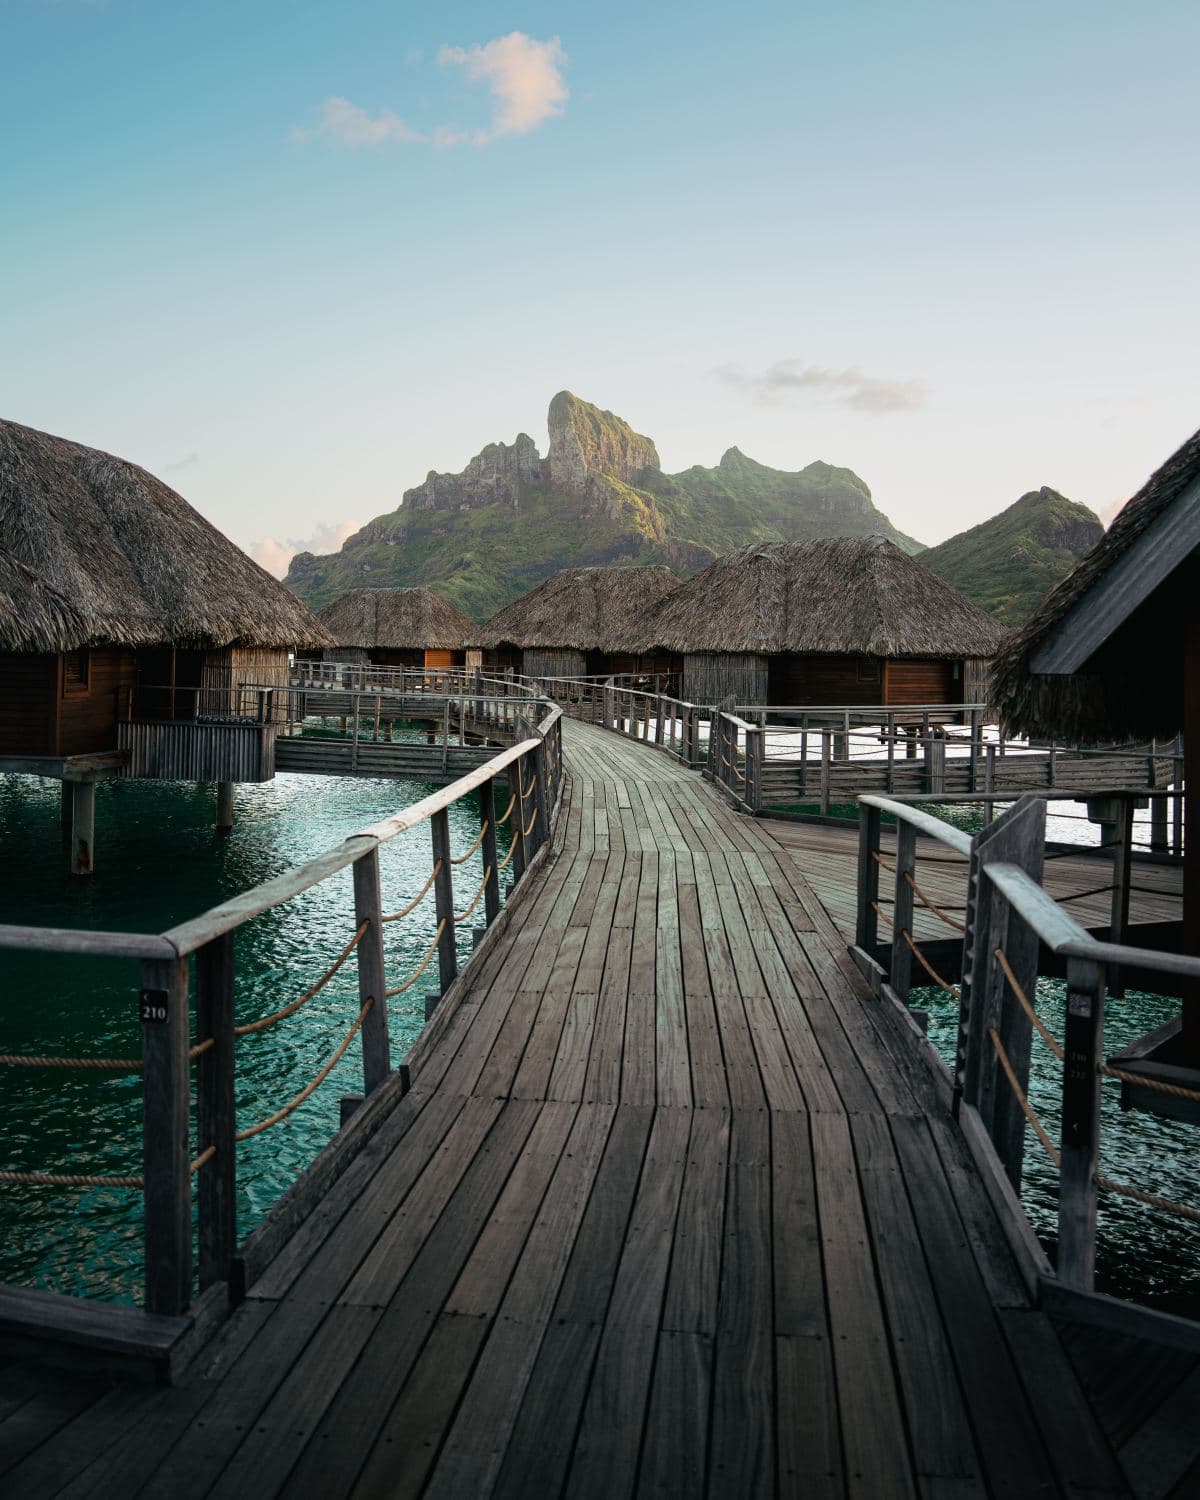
x=1140 y=696
x=859 y=595
x=139 y=566
x=584 y=609
x=396 y=619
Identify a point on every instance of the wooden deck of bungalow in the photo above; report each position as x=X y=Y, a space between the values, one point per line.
x=672 y=1207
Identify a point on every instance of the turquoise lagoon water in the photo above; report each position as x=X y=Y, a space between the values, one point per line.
x=158 y=862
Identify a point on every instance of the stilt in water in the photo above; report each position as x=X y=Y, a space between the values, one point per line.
x=224 y=806
x=83 y=826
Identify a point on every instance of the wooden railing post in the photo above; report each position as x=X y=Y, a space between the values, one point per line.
x=826 y=759
x=443 y=895
x=1017 y=838
x=372 y=980
x=216 y=1118
x=1082 y=1043
x=900 y=969
x=541 y=797
x=1122 y=867
x=866 y=933
x=517 y=817
x=755 y=755
x=166 y=1163
x=487 y=822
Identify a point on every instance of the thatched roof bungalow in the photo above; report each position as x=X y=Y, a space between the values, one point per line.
x=118 y=600
x=580 y=622
x=841 y=621
x=396 y=628
x=1114 y=651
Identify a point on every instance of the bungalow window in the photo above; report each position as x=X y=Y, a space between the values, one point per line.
x=868 y=669
x=76 y=672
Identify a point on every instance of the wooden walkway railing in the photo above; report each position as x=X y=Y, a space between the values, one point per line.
x=519 y=786
x=1007 y=927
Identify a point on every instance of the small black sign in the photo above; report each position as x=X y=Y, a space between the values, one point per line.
x=154 y=1007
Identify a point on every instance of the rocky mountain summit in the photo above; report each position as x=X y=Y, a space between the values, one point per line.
x=513 y=516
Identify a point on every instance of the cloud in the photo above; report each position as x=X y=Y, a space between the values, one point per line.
x=351 y=126
x=849 y=387
x=270 y=553
x=524 y=79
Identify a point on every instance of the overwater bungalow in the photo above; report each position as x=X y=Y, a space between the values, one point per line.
x=581 y=622
x=1114 y=652
x=842 y=621
x=135 y=638
x=412 y=627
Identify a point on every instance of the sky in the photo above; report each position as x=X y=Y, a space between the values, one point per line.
x=292 y=254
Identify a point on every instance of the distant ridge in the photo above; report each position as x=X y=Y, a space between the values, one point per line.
x=512 y=517
x=1010 y=562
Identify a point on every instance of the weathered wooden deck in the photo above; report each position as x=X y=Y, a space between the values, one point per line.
x=672 y=1208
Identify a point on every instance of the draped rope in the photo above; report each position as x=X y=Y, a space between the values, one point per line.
x=311 y=1088
x=313 y=989
x=1026 y=1005
x=462 y=858
x=927 y=966
x=429 y=952
x=933 y=906
x=1026 y=1108
x=478 y=894
x=419 y=897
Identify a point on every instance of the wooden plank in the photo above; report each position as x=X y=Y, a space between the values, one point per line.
x=672 y=1063
x=693 y=1287
x=809 y=1443
x=876 y=1449
x=674 y=1454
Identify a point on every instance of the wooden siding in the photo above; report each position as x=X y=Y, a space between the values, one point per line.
x=231 y=677
x=411 y=657
x=977 y=680
x=28 y=684
x=88 y=720
x=440 y=660
x=186 y=751
x=560 y=662
x=920 y=680
x=807 y=679
x=353 y=655
x=710 y=678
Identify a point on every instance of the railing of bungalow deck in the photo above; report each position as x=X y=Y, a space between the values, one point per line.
x=1009 y=918
x=530 y=772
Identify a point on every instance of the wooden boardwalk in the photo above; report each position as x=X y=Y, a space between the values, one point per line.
x=672 y=1208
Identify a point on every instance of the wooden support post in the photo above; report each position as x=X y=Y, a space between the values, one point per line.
x=83 y=827
x=1080 y=1142
x=900 y=969
x=1158 y=825
x=165 y=1158
x=516 y=819
x=354 y=747
x=372 y=978
x=989 y=784
x=755 y=755
x=1122 y=879
x=443 y=895
x=658 y=720
x=976 y=740
x=1018 y=838
x=826 y=757
x=891 y=754
x=541 y=797
x=866 y=933
x=224 y=806
x=487 y=821
x=216 y=1118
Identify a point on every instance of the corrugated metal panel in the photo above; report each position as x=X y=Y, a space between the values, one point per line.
x=199 y=752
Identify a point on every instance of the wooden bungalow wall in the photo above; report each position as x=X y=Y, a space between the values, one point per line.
x=49 y=710
x=554 y=663
x=231 y=676
x=712 y=677
x=917 y=680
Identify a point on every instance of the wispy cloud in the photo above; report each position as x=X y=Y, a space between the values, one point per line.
x=188 y=461
x=525 y=82
x=348 y=125
x=270 y=553
x=524 y=78
x=850 y=387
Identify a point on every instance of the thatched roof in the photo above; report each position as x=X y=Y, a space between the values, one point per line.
x=1135 y=686
x=137 y=563
x=838 y=596
x=398 y=619
x=582 y=609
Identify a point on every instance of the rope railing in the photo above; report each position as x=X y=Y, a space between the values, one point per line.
x=1022 y=1098
x=881 y=914
x=512 y=849
x=70 y=1179
x=1152 y=1200
x=313 y=989
x=310 y=1088
x=1027 y=1006
x=932 y=905
x=104 y=1064
x=527 y=829
x=477 y=897
x=941 y=983
x=424 y=964
x=419 y=897
x=462 y=858
x=1158 y=1085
